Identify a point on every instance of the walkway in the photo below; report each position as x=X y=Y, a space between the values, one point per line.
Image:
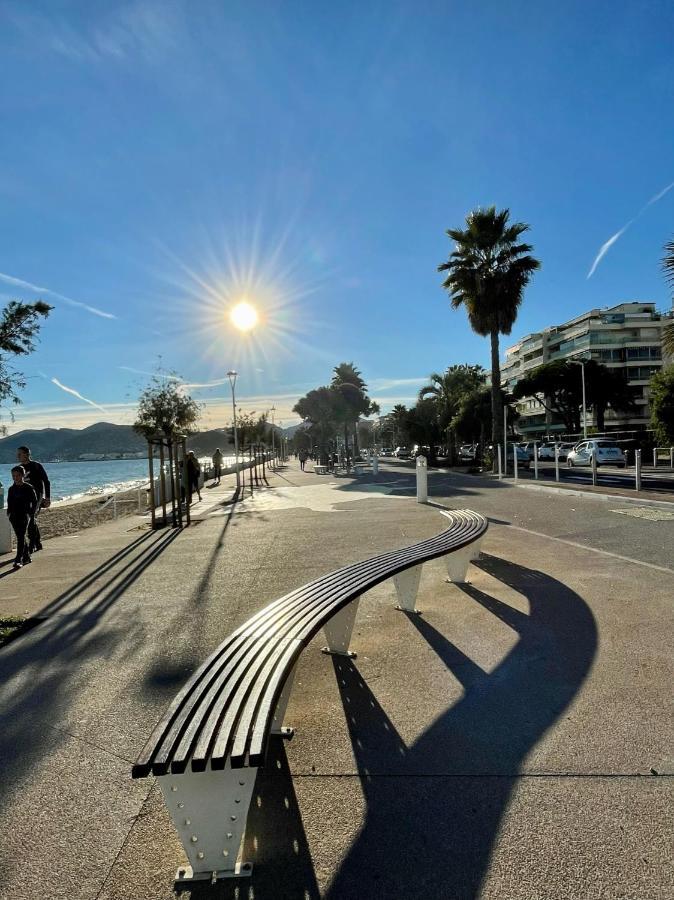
x=501 y=745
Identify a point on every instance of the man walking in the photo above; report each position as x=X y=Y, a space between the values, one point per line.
x=217 y=465
x=21 y=506
x=37 y=478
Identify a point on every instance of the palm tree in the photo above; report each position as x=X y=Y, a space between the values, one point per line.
x=487 y=273
x=668 y=266
x=348 y=382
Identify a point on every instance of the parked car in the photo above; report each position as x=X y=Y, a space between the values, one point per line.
x=523 y=461
x=386 y=451
x=528 y=448
x=547 y=451
x=402 y=452
x=564 y=450
x=607 y=453
x=468 y=452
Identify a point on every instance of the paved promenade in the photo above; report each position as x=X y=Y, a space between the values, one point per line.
x=514 y=741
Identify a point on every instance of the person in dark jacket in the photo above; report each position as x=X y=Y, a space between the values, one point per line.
x=37 y=477
x=21 y=506
x=193 y=473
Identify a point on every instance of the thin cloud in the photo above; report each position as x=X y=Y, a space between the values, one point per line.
x=603 y=250
x=36 y=289
x=151 y=374
x=69 y=390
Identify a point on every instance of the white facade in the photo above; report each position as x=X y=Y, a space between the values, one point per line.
x=627 y=337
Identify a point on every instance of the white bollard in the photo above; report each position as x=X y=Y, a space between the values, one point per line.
x=535 y=461
x=655 y=458
x=515 y=461
x=637 y=470
x=500 y=471
x=375 y=465
x=422 y=480
x=5 y=534
x=556 y=462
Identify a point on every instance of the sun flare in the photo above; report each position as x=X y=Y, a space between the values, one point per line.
x=244 y=316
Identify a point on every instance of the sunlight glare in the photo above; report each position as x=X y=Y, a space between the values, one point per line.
x=244 y=316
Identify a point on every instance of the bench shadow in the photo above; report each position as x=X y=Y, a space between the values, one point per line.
x=433 y=835
x=275 y=842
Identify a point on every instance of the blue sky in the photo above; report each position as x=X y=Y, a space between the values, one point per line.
x=161 y=159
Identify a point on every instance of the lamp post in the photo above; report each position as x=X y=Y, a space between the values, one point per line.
x=581 y=363
x=232 y=375
x=273 y=442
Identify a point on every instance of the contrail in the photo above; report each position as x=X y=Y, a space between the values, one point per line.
x=19 y=282
x=77 y=394
x=603 y=250
x=611 y=241
x=151 y=374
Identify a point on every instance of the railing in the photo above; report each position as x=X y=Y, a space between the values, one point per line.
x=668 y=453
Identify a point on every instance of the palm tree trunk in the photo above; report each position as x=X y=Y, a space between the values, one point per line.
x=496 y=402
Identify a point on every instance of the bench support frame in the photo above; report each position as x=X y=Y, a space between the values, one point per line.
x=339 y=629
x=407 y=587
x=458 y=562
x=209 y=810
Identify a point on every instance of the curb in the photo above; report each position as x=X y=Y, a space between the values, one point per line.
x=574 y=492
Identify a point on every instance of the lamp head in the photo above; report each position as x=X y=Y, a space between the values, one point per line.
x=232 y=375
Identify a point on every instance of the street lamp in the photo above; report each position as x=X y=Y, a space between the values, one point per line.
x=581 y=363
x=232 y=383
x=273 y=443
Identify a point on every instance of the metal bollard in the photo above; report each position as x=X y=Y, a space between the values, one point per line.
x=556 y=462
x=375 y=465
x=535 y=461
x=637 y=470
x=422 y=480
x=671 y=457
x=515 y=461
x=500 y=471
x=594 y=469
x=655 y=458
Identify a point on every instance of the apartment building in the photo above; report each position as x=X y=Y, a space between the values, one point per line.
x=627 y=337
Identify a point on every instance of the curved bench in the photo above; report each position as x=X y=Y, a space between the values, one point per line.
x=208 y=746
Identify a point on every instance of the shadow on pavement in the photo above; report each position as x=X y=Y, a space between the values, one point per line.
x=41 y=673
x=432 y=836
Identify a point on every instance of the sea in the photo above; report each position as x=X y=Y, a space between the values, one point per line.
x=70 y=480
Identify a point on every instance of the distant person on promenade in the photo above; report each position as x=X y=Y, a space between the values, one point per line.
x=37 y=477
x=303 y=455
x=21 y=508
x=217 y=465
x=193 y=473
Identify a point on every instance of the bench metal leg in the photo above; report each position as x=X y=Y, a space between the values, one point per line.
x=457 y=564
x=209 y=810
x=281 y=706
x=339 y=629
x=407 y=588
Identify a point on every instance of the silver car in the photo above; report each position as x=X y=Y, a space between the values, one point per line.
x=606 y=453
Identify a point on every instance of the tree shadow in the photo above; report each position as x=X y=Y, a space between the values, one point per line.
x=431 y=833
x=40 y=673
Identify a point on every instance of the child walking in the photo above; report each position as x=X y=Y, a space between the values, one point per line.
x=21 y=506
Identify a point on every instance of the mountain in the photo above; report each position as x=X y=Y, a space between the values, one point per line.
x=103 y=438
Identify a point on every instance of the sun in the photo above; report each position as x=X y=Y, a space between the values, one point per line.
x=244 y=316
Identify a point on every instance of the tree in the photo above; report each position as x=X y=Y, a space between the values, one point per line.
x=662 y=405
x=165 y=407
x=399 y=421
x=348 y=382
x=19 y=328
x=422 y=425
x=447 y=392
x=472 y=421
x=558 y=387
x=322 y=409
x=668 y=267
x=487 y=273
x=605 y=388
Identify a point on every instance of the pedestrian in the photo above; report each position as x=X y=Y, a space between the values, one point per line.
x=21 y=507
x=303 y=459
x=193 y=473
x=217 y=465
x=37 y=478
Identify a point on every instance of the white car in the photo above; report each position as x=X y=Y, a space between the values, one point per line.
x=607 y=453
